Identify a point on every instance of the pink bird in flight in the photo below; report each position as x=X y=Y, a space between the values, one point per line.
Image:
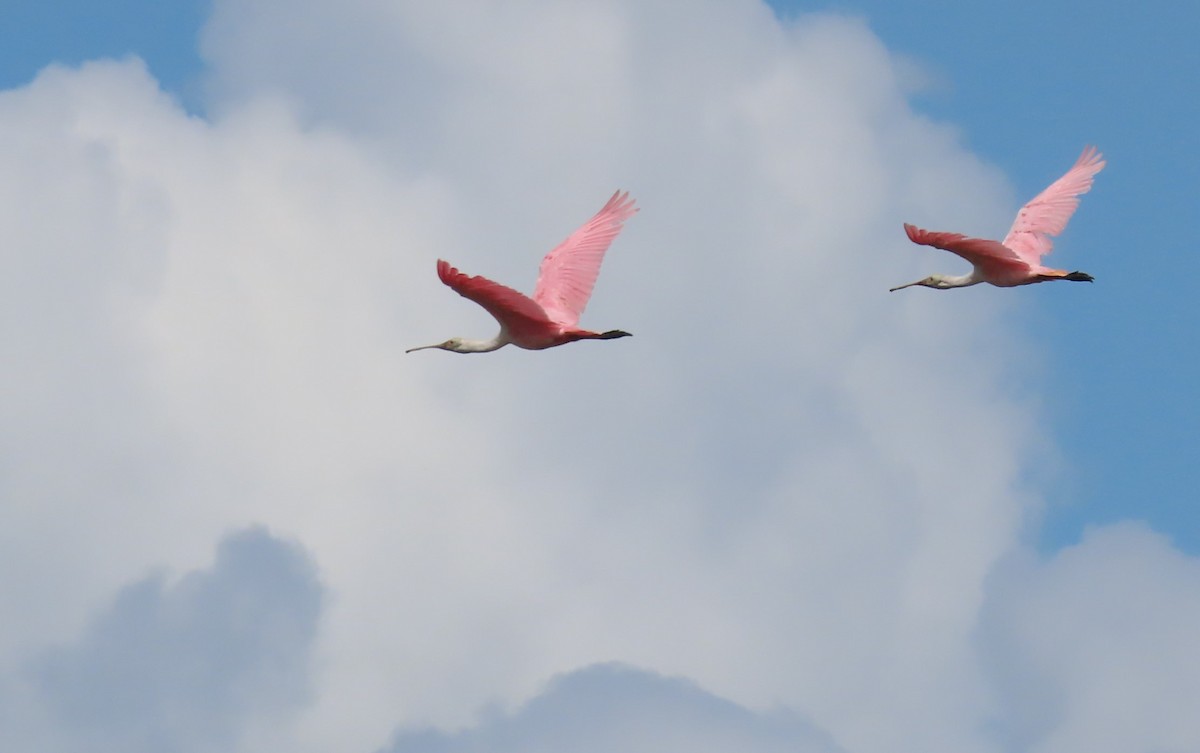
x=1017 y=260
x=564 y=285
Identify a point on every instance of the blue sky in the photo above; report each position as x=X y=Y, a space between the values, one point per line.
x=1027 y=91
x=824 y=517
x=163 y=34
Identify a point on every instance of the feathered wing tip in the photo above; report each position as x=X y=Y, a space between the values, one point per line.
x=450 y=276
x=620 y=206
x=1091 y=157
x=1047 y=214
x=954 y=242
x=568 y=273
x=1078 y=180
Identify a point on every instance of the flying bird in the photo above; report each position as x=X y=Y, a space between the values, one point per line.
x=564 y=285
x=1017 y=260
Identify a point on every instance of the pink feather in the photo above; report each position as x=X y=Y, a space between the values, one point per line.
x=1047 y=214
x=568 y=273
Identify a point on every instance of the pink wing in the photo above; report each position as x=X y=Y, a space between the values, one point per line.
x=568 y=273
x=1048 y=214
x=991 y=257
x=515 y=311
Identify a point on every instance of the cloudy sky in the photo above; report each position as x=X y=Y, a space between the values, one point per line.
x=793 y=513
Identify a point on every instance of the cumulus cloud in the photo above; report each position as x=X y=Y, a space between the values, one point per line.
x=790 y=487
x=610 y=707
x=184 y=666
x=1094 y=648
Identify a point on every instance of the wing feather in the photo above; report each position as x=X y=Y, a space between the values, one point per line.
x=568 y=273
x=986 y=254
x=515 y=311
x=1047 y=214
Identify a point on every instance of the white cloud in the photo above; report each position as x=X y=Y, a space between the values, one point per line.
x=1094 y=649
x=185 y=667
x=789 y=486
x=608 y=707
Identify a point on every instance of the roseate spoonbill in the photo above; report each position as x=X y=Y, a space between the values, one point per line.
x=1017 y=261
x=564 y=285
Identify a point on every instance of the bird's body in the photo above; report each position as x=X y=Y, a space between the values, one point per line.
x=1017 y=260
x=565 y=281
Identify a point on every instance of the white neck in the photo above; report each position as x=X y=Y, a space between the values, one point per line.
x=963 y=281
x=481 y=346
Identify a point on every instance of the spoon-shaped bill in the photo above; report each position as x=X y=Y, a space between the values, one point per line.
x=909 y=285
x=425 y=347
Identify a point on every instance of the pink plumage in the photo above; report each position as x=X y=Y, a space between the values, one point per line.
x=515 y=311
x=1047 y=214
x=1017 y=260
x=565 y=282
x=999 y=263
x=568 y=273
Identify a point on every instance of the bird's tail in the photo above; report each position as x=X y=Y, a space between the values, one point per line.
x=583 y=334
x=612 y=334
x=1049 y=275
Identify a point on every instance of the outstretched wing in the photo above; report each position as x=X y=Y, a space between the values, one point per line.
x=568 y=273
x=1049 y=212
x=515 y=311
x=989 y=256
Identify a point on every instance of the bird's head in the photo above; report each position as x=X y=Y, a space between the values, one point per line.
x=454 y=345
x=937 y=282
